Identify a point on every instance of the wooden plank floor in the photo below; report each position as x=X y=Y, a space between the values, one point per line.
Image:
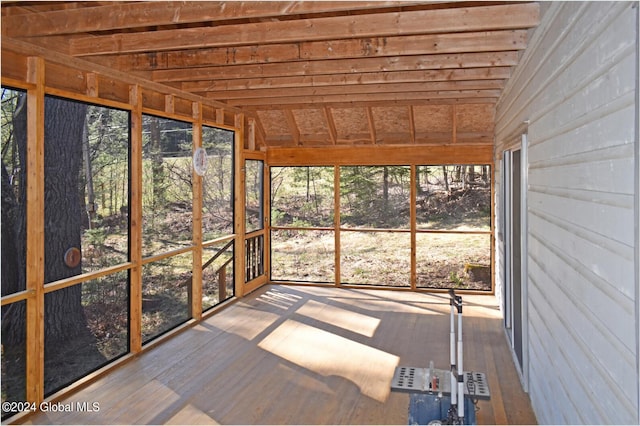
x=303 y=355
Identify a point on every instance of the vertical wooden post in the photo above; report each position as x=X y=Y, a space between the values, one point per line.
x=413 y=218
x=196 y=280
x=267 y=220
x=35 y=233
x=251 y=134
x=239 y=200
x=336 y=221
x=135 y=221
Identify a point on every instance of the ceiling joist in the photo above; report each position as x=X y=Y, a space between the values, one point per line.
x=508 y=16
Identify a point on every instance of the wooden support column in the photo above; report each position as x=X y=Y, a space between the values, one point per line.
x=266 y=214
x=135 y=221
x=251 y=134
x=239 y=200
x=413 y=219
x=336 y=221
x=35 y=232
x=196 y=277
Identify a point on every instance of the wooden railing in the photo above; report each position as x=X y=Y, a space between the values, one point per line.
x=254 y=257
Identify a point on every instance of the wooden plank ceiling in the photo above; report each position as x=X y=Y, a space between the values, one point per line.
x=311 y=73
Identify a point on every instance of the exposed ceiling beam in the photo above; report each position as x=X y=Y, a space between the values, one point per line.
x=495 y=73
x=484 y=41
x=483 y=18
x=357 y=89
x=342 y=66
x=135 y=15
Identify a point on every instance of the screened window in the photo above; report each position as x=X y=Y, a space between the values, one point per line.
x=13 y=251
x=302 y=222
x=167 y=193
x=217 y=191
x=86 y=197
x=254 y=175
x=375 y=197
x=14 y=171
x=453 y=215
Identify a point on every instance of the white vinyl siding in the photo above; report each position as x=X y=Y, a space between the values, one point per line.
x=576 y=85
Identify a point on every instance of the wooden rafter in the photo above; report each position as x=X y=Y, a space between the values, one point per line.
x=359 y=89
x=342 y=66
x=372 y=125
x=412 y=124
x=331 y=125
x=140 y=15
x=485 y=41
x=374 y=25
x=293 y=126
x=489 y=73
x=382 y=63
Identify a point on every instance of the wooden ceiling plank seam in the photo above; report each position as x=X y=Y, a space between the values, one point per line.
x=480 y=18
x=486 y=41
x=343 y=66
x=460 y=74
x=133 y=15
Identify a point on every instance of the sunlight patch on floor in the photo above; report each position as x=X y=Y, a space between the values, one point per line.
x=191 y=415
x=343 y=318
x=328 y=354
x=253 y=323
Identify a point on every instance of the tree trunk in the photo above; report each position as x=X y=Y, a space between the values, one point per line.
x=64 y=126
x=14 y=232
x=385 y=187
x=445 y=177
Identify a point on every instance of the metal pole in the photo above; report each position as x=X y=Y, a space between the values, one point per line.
x=452 y=352
x=459 y=366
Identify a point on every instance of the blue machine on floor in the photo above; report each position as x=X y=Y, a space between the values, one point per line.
x=443 y=396
x=427 y=409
